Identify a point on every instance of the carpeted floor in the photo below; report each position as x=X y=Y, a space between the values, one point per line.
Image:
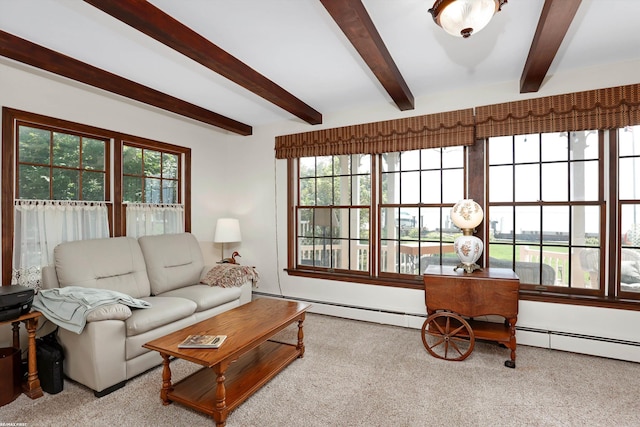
x=363 y=374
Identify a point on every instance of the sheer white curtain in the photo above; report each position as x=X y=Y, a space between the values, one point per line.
x=144 y=219
x=40 y=225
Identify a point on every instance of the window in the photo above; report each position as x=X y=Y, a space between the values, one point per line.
x=551 y=220
x=418 y=189
x=60 y=189
x=149 y=176
x=628 y=268
x=351 y=220
x=557 y=176
x=546 y=209
x=334 y=212
x=151 y=188
x=60 y=165
x=59 y=172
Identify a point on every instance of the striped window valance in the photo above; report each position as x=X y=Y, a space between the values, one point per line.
x=429 y=131
x=595 y=109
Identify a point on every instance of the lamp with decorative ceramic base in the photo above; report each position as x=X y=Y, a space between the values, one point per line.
x=467 y=215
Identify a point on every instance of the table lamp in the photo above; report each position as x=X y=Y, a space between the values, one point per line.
x=227 y=231
x=467 y=215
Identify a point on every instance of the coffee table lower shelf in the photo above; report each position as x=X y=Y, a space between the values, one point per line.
x=243 y=378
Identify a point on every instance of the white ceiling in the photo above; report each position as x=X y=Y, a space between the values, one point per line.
x=297 y=44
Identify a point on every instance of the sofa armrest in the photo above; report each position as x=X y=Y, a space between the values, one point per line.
x=109 y=312
x=96 y=357
x=246 y=293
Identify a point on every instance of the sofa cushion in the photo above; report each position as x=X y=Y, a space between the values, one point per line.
x=134 y=343
x=163 y=310
x=113 y=263
x=173 y=261
x=204 y=296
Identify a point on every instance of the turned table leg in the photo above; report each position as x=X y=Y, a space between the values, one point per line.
x=300 y=345
x=166 y=379
x=32 y=387
x=15 y=326
x=221 y=412
x=512 y=343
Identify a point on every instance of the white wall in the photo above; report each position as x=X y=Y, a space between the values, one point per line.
x=239 y=176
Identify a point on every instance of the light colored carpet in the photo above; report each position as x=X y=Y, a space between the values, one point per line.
x=363 y=374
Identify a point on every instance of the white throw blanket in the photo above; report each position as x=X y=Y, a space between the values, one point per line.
x=68 y=307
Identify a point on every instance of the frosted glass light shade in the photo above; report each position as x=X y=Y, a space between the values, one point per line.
x=467 y=214
x=227 y=230
x=461 y=18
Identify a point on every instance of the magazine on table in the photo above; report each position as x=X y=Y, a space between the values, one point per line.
x=203 y=341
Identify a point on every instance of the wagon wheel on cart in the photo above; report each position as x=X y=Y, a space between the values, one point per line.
x=448 y=336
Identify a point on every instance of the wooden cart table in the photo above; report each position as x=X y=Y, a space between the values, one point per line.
x=455 y=298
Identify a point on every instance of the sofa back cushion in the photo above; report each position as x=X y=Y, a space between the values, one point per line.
x=114 y=263
x=173 y=261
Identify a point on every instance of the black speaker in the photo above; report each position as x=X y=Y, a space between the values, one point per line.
x=50 y=355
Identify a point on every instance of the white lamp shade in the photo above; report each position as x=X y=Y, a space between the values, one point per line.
x=466 y=214
x=227 y=230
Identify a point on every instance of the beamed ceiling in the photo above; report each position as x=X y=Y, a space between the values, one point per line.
x=244 y=63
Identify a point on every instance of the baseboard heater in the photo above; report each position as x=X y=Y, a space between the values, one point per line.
x=399 y=313
x=579 y=336
x=333 y=304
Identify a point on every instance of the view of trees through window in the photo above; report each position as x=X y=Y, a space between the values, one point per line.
x=334 y=212
x=55 y=165
x=149 y=176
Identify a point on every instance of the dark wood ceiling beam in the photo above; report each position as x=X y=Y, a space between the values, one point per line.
x=555 y=19
x=148 y=19
x=29 y=53
x=354 y=21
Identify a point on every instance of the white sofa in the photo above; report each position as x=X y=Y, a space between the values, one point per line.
x=164 y=270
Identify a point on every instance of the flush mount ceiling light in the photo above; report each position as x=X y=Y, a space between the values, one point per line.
x=461 y=18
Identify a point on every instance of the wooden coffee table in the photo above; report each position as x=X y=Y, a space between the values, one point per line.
x=245 y=362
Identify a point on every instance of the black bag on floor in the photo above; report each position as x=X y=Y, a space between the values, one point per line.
x=50 y=355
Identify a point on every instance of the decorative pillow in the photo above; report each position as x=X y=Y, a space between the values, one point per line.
x=109 y=312
x=630 y=272
x=228 y=275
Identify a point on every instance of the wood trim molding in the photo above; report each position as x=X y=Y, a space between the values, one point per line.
x=8 y=168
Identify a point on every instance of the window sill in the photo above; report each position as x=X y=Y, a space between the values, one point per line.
x=525 y=295
x=415 y=283
x=589 y=301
